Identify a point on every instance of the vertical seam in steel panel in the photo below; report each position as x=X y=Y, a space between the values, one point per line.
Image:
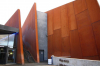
x=93 y=33
x=78 y=32
x=60 y=31
x=68 y=28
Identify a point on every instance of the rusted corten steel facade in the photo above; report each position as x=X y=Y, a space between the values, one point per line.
x=30 y=34
x=15 y=21
x=74 y=30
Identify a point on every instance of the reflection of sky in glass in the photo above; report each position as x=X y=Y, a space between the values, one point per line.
x=11 y=40
x=4 y=40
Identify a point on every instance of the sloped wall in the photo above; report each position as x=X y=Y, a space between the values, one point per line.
x=15 y=21
x=30 y=33
x=74 y=30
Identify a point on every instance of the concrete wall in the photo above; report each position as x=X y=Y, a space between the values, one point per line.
x=62 y=61
x=42 y=32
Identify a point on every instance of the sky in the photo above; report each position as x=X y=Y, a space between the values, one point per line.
x=8 y=7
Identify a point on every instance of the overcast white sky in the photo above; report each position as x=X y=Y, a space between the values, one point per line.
x=8 y=7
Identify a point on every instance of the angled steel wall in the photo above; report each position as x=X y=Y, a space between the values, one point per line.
x=74 y=30
x=30 y=33
x=15 y=21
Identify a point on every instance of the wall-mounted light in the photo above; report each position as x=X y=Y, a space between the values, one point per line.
x=11 y=53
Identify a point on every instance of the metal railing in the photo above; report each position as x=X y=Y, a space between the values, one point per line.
x=28 y=56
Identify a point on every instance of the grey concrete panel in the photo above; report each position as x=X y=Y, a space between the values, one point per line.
x=42 y=32
x=74 y=62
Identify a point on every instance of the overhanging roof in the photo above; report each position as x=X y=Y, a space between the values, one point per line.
x=8 y=30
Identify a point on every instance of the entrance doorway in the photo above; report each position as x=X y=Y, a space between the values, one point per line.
x=41 y=54
x=11 y=56
x=7 y=49
x=3 y=51
x=7 y=55
x=8 y=44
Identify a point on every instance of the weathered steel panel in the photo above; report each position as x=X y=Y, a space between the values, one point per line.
x=50 y=46
x=72 y=22
x=92 y=57
x=87 y=41
x=94 y=10
x=79 y=6
x=50 y=22
x=83 y=19
x=75 y=44
x=57 y=42
x=96 y=29
x=30 y=33
x=57 y=18
x=70 y=8
x=77 y=16
x=15 y=21
x=66 y=46
x=64 y=21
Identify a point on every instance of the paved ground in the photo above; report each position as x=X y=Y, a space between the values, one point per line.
x=29 y=64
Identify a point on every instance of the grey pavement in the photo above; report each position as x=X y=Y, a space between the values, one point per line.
x=29 y=64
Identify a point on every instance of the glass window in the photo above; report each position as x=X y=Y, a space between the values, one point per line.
x=7 y=40
x=3 y=40
x=11 y=56
x=11 y=40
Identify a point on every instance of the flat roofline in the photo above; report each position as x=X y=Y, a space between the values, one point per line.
x=8 y=30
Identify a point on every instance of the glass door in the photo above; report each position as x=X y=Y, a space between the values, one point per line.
x=11 y=55
x=7 y=48
x=3 y=51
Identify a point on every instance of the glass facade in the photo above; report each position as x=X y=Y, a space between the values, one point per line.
x=7 y=48
x=11 y=41
x=7 y=40
x=3 y=40
x=11 y=56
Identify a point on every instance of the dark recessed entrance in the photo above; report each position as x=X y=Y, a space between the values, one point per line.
x=41 y=55
x=11 y=55
x=7 y=49
x=8 y=44
x=7 y=55
x=3 y=52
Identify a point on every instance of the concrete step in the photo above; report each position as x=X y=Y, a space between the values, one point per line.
x=29 y=64
x=39 y=64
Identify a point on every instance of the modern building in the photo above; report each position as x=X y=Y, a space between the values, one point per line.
x=71 y=30
x=11 y=45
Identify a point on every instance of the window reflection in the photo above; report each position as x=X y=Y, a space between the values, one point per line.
x=11 y=40
x=7 y=40
x=3 y=40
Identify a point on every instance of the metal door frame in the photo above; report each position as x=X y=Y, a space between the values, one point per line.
x=7 y=55
x=43 y=54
